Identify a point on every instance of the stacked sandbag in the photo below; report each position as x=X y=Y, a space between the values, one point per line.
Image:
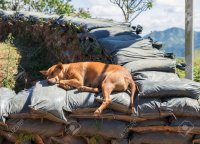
x=65 y=38
x=166 y=108
x=161 y=95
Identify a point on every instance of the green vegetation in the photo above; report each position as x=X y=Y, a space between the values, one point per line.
x=48 y=6
x=131 y=9
x=196 y=67
x=9 y=57
x=21 y=62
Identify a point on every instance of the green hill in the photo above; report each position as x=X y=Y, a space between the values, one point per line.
x=174 y=40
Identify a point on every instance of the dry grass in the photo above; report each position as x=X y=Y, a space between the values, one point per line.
x=20 y=63
x=9 y=59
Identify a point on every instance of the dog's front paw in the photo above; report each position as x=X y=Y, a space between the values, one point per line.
x=97 y=112
x=64 y=86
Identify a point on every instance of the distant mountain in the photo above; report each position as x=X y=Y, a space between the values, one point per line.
x=173 y=40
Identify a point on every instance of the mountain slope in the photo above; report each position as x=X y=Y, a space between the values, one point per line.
x=173 y=40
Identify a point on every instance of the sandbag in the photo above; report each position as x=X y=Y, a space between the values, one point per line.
x=136 y=50
x=6 y=95
x=45 y=127
x=114 y=33
x=68 y=140
x=185 y=122
x=168 y=89
x=181 y=107
x=147 y=107
x=158 y=64
x=119 y=141
x=108 y=129
x=20 y=103
x=122 y=98
x=156 y=122
x=155 y=76
x=90 y=23
x=160 y=138
x=53 y=100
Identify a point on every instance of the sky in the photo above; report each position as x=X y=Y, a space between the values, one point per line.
x=163 y=15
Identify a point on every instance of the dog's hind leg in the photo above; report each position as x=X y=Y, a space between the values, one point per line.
x=107 y=88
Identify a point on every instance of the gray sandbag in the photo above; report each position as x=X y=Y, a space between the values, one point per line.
x=45 y=127
x=160 y=138
x=163 y=89
x=154 y=122
x=108 y=129
x=68 y=139
x=137 y=50
x=122 y=98
x=181 y=106
x=157 y=64
x=6 y=95
x=119 y=141
x=52 y=99
x=127 y=45
x=110 y=33
x=147 y=107
x=155 y=76
x=20 y=103
x=143 y=107
x=185 y=122
x=90 y=23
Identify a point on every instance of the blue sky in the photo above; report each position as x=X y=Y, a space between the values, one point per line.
x=163 y=15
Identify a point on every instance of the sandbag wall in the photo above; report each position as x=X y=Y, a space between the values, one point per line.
x=166 y=107
x=66 y=40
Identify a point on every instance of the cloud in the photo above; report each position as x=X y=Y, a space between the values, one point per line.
x=163 y=15
x=110 y=12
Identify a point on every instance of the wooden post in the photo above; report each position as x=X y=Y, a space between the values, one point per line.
x=189 y=39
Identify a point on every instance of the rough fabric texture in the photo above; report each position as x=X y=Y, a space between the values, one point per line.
x=191 y=122
x=181 y=106
x=53 y=99
x=160 y=138
x=45 y=128
x=6 y=95
x=169 y=89
x=163 y=65
x=114 y=33
x=155 y=76
x=105 y=128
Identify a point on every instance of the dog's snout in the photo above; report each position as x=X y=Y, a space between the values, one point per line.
x=52 y=81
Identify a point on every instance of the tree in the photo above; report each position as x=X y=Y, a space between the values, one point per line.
x=48 y=6
x=132 y=8
x=4 y=4
x=83 y=13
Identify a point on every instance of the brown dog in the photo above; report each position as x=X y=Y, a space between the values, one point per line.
x=92 y=77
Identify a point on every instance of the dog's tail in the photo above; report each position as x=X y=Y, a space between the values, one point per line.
x=132 y=89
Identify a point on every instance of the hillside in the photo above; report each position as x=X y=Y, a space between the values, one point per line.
x=174 y=40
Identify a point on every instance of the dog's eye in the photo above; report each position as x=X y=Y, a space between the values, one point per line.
x=52 y=73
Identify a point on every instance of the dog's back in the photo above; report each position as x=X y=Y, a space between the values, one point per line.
x=95 y=72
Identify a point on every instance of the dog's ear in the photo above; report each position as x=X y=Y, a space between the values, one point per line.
x=59 y=66
x=44 y=72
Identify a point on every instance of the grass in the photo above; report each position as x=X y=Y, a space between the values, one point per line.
x=196 y=66
x=9 y=58
x=20 y=63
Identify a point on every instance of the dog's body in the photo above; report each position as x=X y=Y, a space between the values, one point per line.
x=92 y=77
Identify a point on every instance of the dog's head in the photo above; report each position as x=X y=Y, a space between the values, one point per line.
x=54 y=74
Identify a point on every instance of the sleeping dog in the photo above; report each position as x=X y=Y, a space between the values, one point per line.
x=92 y=77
